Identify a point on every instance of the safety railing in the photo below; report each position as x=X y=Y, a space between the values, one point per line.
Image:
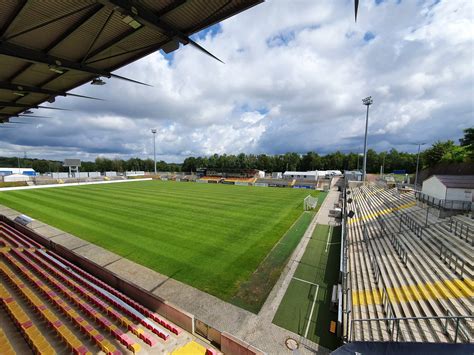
x=454 y=327
x=462 y=230
x=443 y=204
x=452 y=259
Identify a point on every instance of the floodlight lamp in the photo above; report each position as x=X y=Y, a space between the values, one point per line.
x=153 y=130
x=129 y=20
x=97 y=81
x=51 y=99
x=368 y=101
x=56 y=69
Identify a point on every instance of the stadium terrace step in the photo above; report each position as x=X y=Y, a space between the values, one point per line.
x=418 y=282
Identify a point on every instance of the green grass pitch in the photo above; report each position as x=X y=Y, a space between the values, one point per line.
x=209 y=236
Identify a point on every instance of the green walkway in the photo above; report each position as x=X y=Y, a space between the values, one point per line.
x=305 y=306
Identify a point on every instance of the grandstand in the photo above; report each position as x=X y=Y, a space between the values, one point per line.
x=58 y=307
x=407 y=274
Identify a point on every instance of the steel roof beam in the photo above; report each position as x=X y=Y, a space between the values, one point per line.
x=36 y=56
x=19 y=7
x=28 y=106
x=171 y=7
x=33 y=89
x=147 y=17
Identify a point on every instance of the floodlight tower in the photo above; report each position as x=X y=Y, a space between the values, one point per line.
x=367 y=102
x=153 y=130
x=417 y=162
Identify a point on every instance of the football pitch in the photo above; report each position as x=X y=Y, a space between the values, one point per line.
x=210 y=236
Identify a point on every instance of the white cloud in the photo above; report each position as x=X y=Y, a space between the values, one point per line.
x=294 y=76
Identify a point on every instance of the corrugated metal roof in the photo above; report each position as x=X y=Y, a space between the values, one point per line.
x=457 y=181
x=96 y=35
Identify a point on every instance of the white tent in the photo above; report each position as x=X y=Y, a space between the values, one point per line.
x=16 y=177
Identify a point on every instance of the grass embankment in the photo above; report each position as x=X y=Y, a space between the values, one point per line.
x=209 y=236
x=13 y=184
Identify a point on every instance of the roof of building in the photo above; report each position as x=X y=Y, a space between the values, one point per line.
x=49 y=47
x=308 y=173
x=457 y=181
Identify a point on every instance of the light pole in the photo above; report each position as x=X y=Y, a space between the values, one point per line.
x=382 y=170
x=417 y=162
x=153 y=130
x=367 y=102
x=358 y=156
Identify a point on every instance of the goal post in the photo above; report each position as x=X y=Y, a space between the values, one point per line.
x=310 y=203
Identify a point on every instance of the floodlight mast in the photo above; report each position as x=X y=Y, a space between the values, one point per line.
x=153 y=130
x=367 y=102
x=417 y=163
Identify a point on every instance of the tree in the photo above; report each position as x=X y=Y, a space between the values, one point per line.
x=468 y=142
x=443 y=151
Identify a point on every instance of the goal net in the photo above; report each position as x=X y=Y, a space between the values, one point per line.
x=310 y=203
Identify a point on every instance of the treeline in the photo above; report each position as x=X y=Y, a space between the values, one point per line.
x=393 y=160
x=439 y=152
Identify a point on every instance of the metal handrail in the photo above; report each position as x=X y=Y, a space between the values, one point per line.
x=443 y=204
x=396 y=324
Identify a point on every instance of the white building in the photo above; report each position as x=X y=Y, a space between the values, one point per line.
x=450 y=187
x=301 y=175
x=16 y=178
x=24 y=171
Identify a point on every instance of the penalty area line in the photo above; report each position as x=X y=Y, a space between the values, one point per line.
x=311 y=283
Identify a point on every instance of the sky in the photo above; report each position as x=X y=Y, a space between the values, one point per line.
x=294 y=76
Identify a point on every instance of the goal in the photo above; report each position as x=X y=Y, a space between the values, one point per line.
x=310 y=203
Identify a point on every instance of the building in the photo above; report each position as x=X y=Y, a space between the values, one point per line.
x=16 y=178
x=354 y=175
x=23 y=171
x=301 y=175
x=450 y=187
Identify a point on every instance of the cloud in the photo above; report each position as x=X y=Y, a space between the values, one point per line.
x=294 y=78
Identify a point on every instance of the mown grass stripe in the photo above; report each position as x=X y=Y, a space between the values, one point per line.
x=210 y=236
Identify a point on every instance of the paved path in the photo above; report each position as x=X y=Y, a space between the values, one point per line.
x=257 y=330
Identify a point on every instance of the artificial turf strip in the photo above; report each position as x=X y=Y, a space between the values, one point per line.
x=209 y=236
x=321 y=268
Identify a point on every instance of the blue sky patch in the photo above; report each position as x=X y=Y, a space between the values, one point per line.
x=368 y=36
x=213 y=31
x=281 y=39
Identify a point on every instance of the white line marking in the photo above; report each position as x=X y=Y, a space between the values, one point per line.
x=329 y=237
x=311 y=313
x=311 y=283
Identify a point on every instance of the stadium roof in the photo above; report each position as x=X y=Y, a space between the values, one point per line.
x=457 y=181
x=49 y=47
